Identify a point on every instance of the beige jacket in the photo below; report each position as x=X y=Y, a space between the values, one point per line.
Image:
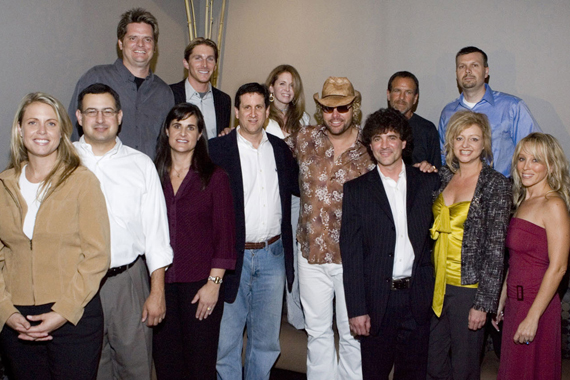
x=68 y=255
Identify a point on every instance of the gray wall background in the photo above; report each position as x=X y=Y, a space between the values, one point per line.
x=48 y=45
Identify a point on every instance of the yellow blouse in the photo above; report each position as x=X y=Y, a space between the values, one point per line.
x=447 y=231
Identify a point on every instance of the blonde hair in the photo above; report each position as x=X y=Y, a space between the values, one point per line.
x=296 y=106
x=67 y=159
x=546 y=149
x=459 y=122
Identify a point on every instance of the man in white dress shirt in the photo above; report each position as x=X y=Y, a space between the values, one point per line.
x=139 y=226
x=263 y=174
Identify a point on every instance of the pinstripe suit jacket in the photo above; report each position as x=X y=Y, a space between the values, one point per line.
x=368 y=239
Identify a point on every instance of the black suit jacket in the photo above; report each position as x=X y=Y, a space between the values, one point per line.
x=368 y=239
x=224 y=152
x=222 y=104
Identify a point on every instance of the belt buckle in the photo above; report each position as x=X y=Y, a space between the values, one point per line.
x=401 y=283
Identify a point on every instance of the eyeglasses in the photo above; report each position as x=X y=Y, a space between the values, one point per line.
x=339 y=109
x=92 y=112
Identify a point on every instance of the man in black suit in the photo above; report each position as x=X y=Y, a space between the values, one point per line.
x=385 y=247
x=200 y=59
x=263 y=174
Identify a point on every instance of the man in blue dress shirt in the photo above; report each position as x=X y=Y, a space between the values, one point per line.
x=508 y=115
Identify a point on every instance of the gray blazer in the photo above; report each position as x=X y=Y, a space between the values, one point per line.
x=483 y=249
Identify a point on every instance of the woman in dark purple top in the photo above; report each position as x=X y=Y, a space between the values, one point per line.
x=202 y=235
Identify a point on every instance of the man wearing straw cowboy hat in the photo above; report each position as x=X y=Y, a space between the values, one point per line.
x=329 y=155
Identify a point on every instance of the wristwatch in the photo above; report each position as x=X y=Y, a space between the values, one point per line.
x=215 y=280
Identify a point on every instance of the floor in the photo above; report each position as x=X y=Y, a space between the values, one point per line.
x=489 y=370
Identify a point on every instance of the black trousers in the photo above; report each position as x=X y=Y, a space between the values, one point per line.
x=185 y=347
x=454 y=350
x=72 y=354
x=400 y=342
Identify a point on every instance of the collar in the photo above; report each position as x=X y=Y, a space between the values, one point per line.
x=125 y=73
x=88 y=149
x=243 y=140
x=488 y=97
x=322 y=129
x=400 y=176
x=191 y=92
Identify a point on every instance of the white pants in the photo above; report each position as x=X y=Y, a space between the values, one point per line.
x=319 y=284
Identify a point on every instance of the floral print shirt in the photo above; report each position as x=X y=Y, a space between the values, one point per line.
x=321 y=180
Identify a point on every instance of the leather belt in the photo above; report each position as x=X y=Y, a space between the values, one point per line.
x=118 y=270
x=263 y=244
x=401 y=283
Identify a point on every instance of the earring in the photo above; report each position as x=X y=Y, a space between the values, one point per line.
x=271 y=97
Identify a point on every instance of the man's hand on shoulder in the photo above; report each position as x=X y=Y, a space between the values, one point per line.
x=225 y=131
x=426 y=167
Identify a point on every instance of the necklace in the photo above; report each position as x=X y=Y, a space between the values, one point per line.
x=284 y=110
x=178 y=173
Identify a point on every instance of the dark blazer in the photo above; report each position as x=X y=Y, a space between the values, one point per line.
x=484 y=233
x=368 y=239
x=222 y=103
x=224 y=152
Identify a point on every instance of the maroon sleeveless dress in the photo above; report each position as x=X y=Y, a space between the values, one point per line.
x=528 y=261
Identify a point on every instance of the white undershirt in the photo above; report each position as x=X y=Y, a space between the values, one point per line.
x=29 y=191
x=403 y=251
x=469 y=104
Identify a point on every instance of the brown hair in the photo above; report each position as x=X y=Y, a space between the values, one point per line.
x=137 y=15
x=200 y=41
x=296 y=107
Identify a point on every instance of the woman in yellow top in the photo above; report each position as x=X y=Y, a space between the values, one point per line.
x=54 y=249
x=471 y=214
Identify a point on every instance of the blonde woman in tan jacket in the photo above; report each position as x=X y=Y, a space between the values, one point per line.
x=54 y=249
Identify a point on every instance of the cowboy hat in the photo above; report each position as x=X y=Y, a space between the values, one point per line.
x=337 y=91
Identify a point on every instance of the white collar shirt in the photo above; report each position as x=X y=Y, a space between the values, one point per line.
x=403 y=252
x=135 y=204
x=262 y=201
x=206 y=105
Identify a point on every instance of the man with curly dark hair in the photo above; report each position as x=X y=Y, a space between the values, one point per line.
x=385 y=246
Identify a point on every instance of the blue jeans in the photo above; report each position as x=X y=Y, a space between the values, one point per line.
x=258 y=307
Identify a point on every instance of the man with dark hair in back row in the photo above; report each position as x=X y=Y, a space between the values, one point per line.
x=403 y=93
x=201 y=59
x=146 y=99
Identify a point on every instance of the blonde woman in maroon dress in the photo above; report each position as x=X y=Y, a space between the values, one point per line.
x=538 y=239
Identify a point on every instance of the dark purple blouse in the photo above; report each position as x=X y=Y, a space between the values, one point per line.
x=202 y=227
